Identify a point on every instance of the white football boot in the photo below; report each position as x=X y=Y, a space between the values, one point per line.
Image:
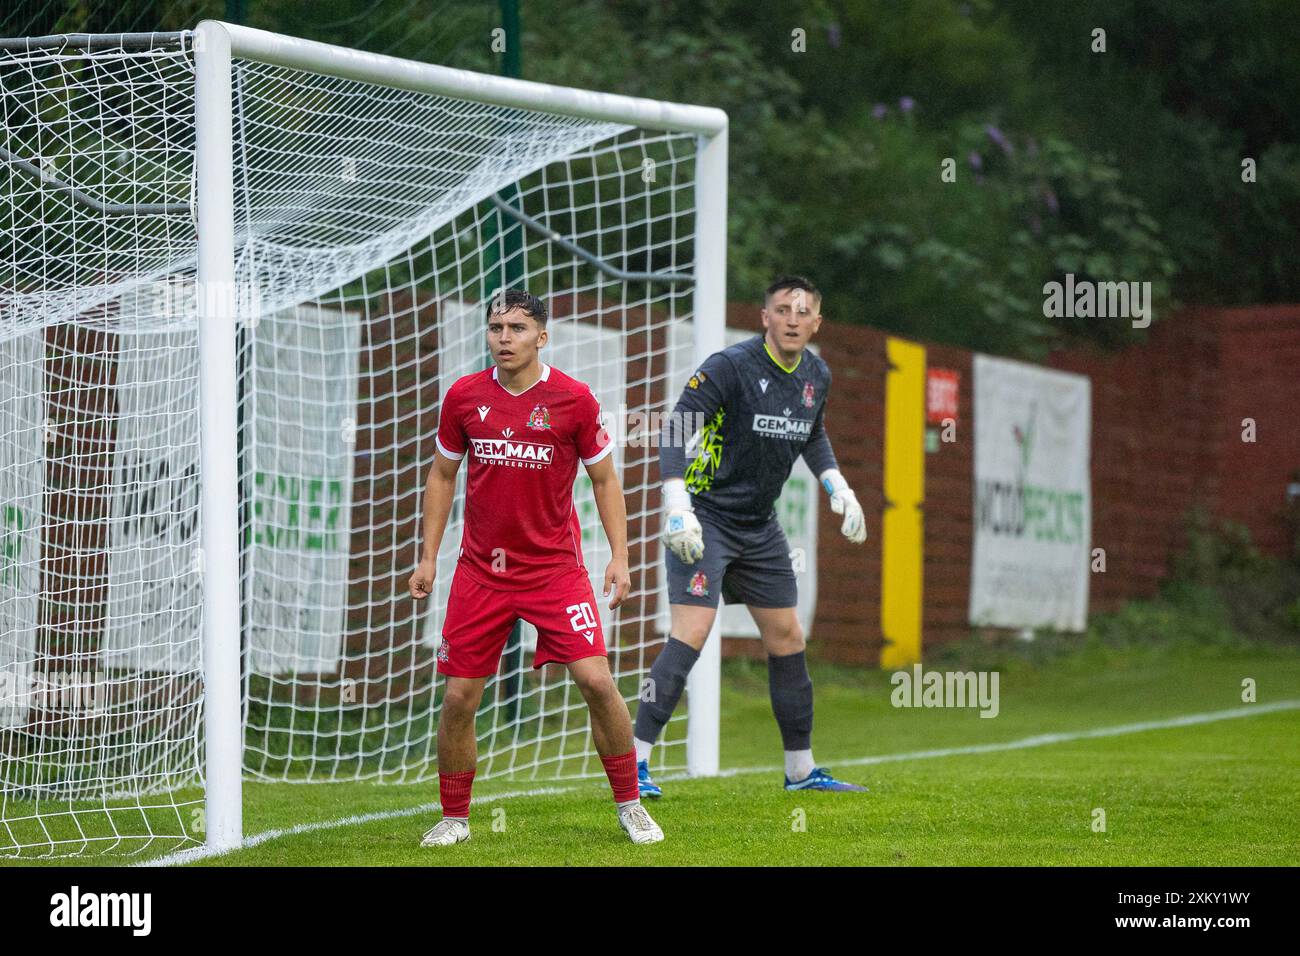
x=446 y=833
x=638 y=825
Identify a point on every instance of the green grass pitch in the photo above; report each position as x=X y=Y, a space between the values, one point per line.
x=1217 y=792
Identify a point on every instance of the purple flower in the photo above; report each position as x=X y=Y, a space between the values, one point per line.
x=833 y=35
x=997 y=136
x=880 y=111
x=906 y=104
x=976 y=160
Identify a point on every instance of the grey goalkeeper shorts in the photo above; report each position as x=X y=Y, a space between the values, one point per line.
x=743 y=565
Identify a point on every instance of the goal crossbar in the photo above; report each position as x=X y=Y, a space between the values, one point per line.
x=295 y=53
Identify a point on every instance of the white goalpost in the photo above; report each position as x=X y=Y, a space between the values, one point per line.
x=239 y=271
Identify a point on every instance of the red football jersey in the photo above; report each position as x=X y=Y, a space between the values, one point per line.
x=520 y=522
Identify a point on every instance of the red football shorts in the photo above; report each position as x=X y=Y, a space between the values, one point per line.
x=479 y=620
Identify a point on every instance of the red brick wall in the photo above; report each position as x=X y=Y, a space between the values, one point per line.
x=948 y=512
x=1151 y=450
x=1259 y=363
x=1166 y=438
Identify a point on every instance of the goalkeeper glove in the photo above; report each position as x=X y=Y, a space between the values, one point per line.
x=682 y=534
x=845 y=502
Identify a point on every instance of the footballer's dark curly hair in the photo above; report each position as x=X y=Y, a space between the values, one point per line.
x=792 y=282
x=504 y=300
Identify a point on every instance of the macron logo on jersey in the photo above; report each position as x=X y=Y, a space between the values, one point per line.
x=782 y=426
x=516 y=454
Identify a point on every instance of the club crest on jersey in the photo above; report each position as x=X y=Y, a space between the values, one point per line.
x=700 y=585
x=808 y=395
x=540 y=417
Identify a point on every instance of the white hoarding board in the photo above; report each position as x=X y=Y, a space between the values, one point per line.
x=22 y=487
x=1032 y=502
x=300 y=401
x=304 y=403
x=154 y=584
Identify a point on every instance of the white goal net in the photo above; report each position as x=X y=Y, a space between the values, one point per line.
x=372 y=223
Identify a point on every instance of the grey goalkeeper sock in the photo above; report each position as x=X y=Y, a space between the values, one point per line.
x=667 y=681
x=792 y=699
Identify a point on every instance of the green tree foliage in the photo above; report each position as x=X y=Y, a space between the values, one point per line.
x=839 y=136
x=1185 y=93
x=1123 y=165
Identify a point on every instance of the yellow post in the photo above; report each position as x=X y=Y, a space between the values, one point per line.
x=902 y=537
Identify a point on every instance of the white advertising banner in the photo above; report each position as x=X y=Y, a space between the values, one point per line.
x=299 y=488
x=22 y=487
x=154 y=587
x=300 y=407
x=1032 y=497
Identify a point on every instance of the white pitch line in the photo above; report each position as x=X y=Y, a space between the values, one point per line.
x=181 y=857
x=1043 y=740
x=1024 y=743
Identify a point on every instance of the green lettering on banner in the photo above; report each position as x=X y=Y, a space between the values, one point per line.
x=792 y=507
x=315 y=540
x=290 y=491
x=588 y=515
x=1034 y=512
x=1054 y=516
x=1075 y=501
x=278 y=516
x=252 y=532
x=11 y=554
x=336 y=506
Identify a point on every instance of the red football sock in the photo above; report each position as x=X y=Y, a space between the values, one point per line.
x=454 y=788
x=621 y=770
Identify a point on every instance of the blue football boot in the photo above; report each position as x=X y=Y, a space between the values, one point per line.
x=649 y=789
x=821 y=779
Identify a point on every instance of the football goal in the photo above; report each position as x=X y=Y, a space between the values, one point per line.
x=238 y=272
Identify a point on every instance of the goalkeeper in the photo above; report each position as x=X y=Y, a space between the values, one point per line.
x=762 y=402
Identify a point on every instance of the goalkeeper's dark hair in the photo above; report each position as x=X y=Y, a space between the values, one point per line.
x=792 y=282
x=504 y=300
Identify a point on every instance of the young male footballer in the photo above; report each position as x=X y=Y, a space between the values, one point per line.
x=763 y=402
x=524 y=427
